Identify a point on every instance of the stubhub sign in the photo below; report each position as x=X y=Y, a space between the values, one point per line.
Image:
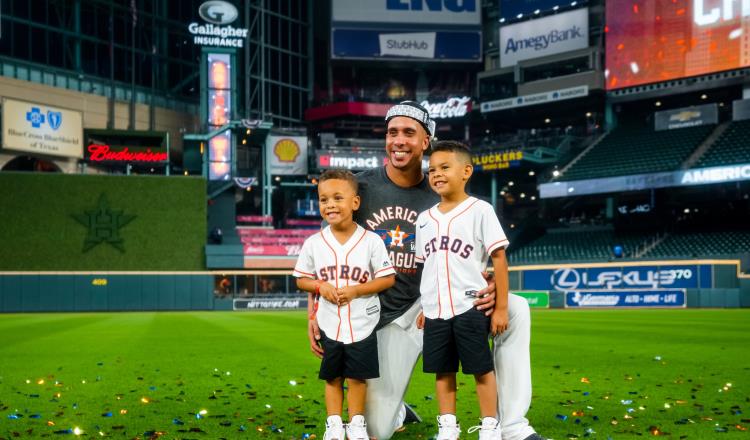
x=416 y=45
x=458 y=12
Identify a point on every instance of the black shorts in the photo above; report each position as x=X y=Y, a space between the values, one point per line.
x=358 y=360
x=464 y=337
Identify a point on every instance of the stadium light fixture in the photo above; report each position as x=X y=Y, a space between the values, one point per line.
x=533 y=198
x=523 y=195
x=531 y=173
x=547 y=120
x=278 y=179
x=555 y=8
x=573 y=3
x=657 y=103
x=512 y=225
x=704 y=96
x=502 y=20
x=519 y=16
x=588 y=114
x=510 y=183
x=556 y=173
x=536 y=12
x=502 y=193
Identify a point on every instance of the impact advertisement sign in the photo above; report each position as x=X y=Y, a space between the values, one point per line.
x=544 y=36
x=663 y=40
x=287 y=155
x=568 y=279
x=38 y=128
x=626 y=298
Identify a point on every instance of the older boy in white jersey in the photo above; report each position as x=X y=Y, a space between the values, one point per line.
x=454 y=240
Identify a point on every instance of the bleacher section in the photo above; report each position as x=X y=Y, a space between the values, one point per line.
x=587 y=244
x=273 y=242
x=629 y=150
x=732 y=147
x=701 y=245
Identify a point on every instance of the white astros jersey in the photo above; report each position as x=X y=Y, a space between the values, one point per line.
x=454 y=248
x=362 y=258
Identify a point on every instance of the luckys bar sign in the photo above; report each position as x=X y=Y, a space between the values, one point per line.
x=497 y=160
x=121 y=146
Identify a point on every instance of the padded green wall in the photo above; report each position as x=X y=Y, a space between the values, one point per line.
x=38 y=231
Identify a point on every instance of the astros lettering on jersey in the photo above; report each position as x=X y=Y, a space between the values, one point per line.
x=362 y=258
x=454 y=248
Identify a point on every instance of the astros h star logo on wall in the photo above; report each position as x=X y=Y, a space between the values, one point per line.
x=103 y=225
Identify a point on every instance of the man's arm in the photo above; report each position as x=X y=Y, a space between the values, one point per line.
x=500 y=318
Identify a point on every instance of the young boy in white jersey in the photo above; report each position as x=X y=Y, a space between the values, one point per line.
x=347 y=266
x=454 y=240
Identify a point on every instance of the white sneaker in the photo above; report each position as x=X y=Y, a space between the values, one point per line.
x=488 y=430
x=334 y=429
x=356 y=429
x=448 y=429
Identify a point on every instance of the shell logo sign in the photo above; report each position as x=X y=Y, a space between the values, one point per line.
x=287 y=155
x=286 y=150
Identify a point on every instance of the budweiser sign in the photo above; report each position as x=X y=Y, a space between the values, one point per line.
x=452 y=108
x=104 y=153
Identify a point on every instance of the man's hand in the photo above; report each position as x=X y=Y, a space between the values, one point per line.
x=486 y=297
x=499 y=322
x=329 y=292
x=346 y=295
x=313 y=334
x=420 y=320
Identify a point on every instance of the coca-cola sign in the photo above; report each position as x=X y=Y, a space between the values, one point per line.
x=451 y=108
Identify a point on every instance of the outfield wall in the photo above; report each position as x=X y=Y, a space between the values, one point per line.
x=63 y=222
x=108 y=292
x=638 y=284
x=712 y=283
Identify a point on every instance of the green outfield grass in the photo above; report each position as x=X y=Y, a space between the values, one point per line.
x=600 y=374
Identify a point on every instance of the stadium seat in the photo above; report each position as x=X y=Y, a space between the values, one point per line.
x=732 y=147
x=631 y=150
x=581 y=244
x=701 y=245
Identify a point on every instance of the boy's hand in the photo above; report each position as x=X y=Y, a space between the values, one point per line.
x=486 y=297
x=499 y=321
x=313 y=334
x=346 y=295
x=328 y=292
x=420 y=320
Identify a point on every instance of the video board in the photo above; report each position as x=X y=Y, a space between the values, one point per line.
x=662 y=40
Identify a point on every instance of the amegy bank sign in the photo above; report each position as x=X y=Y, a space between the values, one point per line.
x=217 y=31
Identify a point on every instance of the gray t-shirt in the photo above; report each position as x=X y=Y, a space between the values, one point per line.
x=391 y=212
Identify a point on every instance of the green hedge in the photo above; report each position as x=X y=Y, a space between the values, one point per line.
x=39 y=230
